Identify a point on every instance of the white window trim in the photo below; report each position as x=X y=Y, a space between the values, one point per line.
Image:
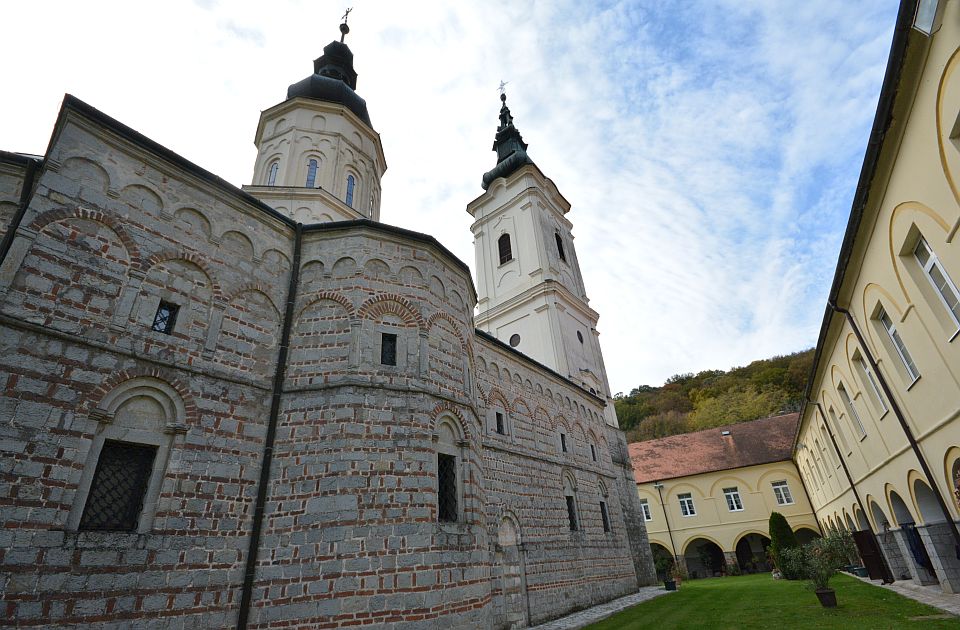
x=848 y=403
x=865 y=368
x=687 y=508
x=899 y=346
x=734 y=501
x=645 y=510
x=934 y=261
x=781 y=490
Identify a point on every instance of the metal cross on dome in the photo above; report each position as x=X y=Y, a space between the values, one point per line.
x=503 y=85
x=347 y=14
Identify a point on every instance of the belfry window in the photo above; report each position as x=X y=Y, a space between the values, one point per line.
x=312 y=173
x=937 y=275
x=118 y=487
x=898 y=344
x=272 y=175
x=351 y=184
x=504 y=249
x=560 y=251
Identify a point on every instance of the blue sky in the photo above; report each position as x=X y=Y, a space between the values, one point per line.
x=710 y=150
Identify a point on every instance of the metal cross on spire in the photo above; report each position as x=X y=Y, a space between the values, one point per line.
x=344 y=29
x=502 y=88
x=346 y=14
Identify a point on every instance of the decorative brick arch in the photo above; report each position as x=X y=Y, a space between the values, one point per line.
x=453 y=322
x=496 y=396
x=167 y=376
x=254 y=286
x=520 y=406
x=391 y=304
x=445 y=408
x=98 y=216
x=191 y=258
x=333 y=297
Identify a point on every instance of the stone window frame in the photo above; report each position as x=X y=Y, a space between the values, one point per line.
x=604 y=506
x=569 y=488
x=161 y=437
x=495 y=408
x=454 y=445
x=403 y=345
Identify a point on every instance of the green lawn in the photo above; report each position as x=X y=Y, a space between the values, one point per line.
x=758 y=601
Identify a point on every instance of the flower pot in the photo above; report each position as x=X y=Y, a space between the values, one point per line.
x=827 y=597
x=670 y=585
x=861 y=572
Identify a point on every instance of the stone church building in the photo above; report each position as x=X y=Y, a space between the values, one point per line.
x=262 y=407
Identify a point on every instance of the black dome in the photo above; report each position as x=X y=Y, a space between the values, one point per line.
x=334 y=81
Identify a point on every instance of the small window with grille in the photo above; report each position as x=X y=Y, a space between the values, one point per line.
x=572 y=513
x=605 y=516
x=446 y=488
x=166 y=317
x=388 y=349
x=118 y=487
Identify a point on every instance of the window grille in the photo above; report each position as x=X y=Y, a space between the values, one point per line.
x=734 y=504
x=572 y=513
x=782 y=491
x=645 y=510
x=506 y=252
x=500 y=428
x=118 y=487
x=311 y=174
x=446 y=488
x=351 y=183
x=166 y=317
x=686 y=504
x=604 y=516
x=388 y=349
x=560 y=251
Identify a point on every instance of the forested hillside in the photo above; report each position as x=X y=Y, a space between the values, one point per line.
x=691 y=402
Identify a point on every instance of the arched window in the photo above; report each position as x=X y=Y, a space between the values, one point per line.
x=604 y=515
x=935 y=272
x=351 y=184
x=503 y=246
x=448 y=481
x=272 y=175
x=570 y=496
x=312 y=173
x=560 y=251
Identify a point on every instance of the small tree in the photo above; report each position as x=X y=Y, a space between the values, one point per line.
x=781 y=537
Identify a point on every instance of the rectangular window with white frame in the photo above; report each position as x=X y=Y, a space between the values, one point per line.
x=934 y=271
x=782 y=492
x=686 y=504
x=867 y=373
x=645 y=510
x=734 y=503
x=898 y=344
x=848 y=403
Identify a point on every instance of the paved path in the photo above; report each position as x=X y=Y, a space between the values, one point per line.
x=601 y=612
x=930 y=595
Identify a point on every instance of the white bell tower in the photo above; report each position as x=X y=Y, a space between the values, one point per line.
x=530 y=290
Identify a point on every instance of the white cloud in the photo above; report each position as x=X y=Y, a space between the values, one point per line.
x=710 y=153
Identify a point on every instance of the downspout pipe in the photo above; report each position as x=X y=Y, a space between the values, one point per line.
x=846 y=471
x=278 y=377
x=26 y=192
x=934 y=486
x=666 y=519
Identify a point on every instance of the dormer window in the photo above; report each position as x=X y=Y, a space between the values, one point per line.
x=504 y=249
x=560 y=251
x=312 y=173
x=351 y=184
x=272 y=175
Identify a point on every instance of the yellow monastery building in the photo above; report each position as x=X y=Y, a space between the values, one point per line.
x=879 y=438
x=707 y=496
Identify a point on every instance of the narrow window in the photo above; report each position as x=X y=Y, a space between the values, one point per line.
x=560 y=251
x=388 y=349
x=645 y=510
x=813 y=479
x=686 y=504
x=579 y=336
x=446 y=488
x=604 y=516
x=593 y=452
x=899 y=345
x=312 y=174
x=571 y=513
x=848 y=403
x=938 y=277
x=351 y=183
x=272 y=176
x=563 y=442
x=503 y=245
x=826 y=442
x=166 y=317
x=782 y=492
x=500 y=428
x=839 y=430
x=734 y=504
x=868 y=373
x=118 y=487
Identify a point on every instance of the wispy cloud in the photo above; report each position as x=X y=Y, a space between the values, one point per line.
x=710 y=150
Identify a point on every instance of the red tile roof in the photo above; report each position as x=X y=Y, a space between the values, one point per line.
x=749 y=443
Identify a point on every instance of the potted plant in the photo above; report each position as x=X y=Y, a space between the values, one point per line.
x=663 y=565
x=677 y=575
x=823 y=556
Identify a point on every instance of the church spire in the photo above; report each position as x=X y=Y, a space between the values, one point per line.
x=509 y=145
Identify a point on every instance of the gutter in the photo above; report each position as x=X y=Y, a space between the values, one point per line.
x=279 y=376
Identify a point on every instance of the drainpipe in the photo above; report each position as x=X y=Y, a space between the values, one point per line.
x=25 y=192
x=846 y=471
x=278 y=378
x=666 y=519
x=934 y=486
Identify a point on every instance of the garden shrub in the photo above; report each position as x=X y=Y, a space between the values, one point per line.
x=781 y=538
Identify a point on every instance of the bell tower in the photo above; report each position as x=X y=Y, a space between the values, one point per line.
x=318 y=157
x=530 y=290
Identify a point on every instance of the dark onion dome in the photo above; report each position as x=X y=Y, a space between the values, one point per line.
x=509 y=145
x=333 y=80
